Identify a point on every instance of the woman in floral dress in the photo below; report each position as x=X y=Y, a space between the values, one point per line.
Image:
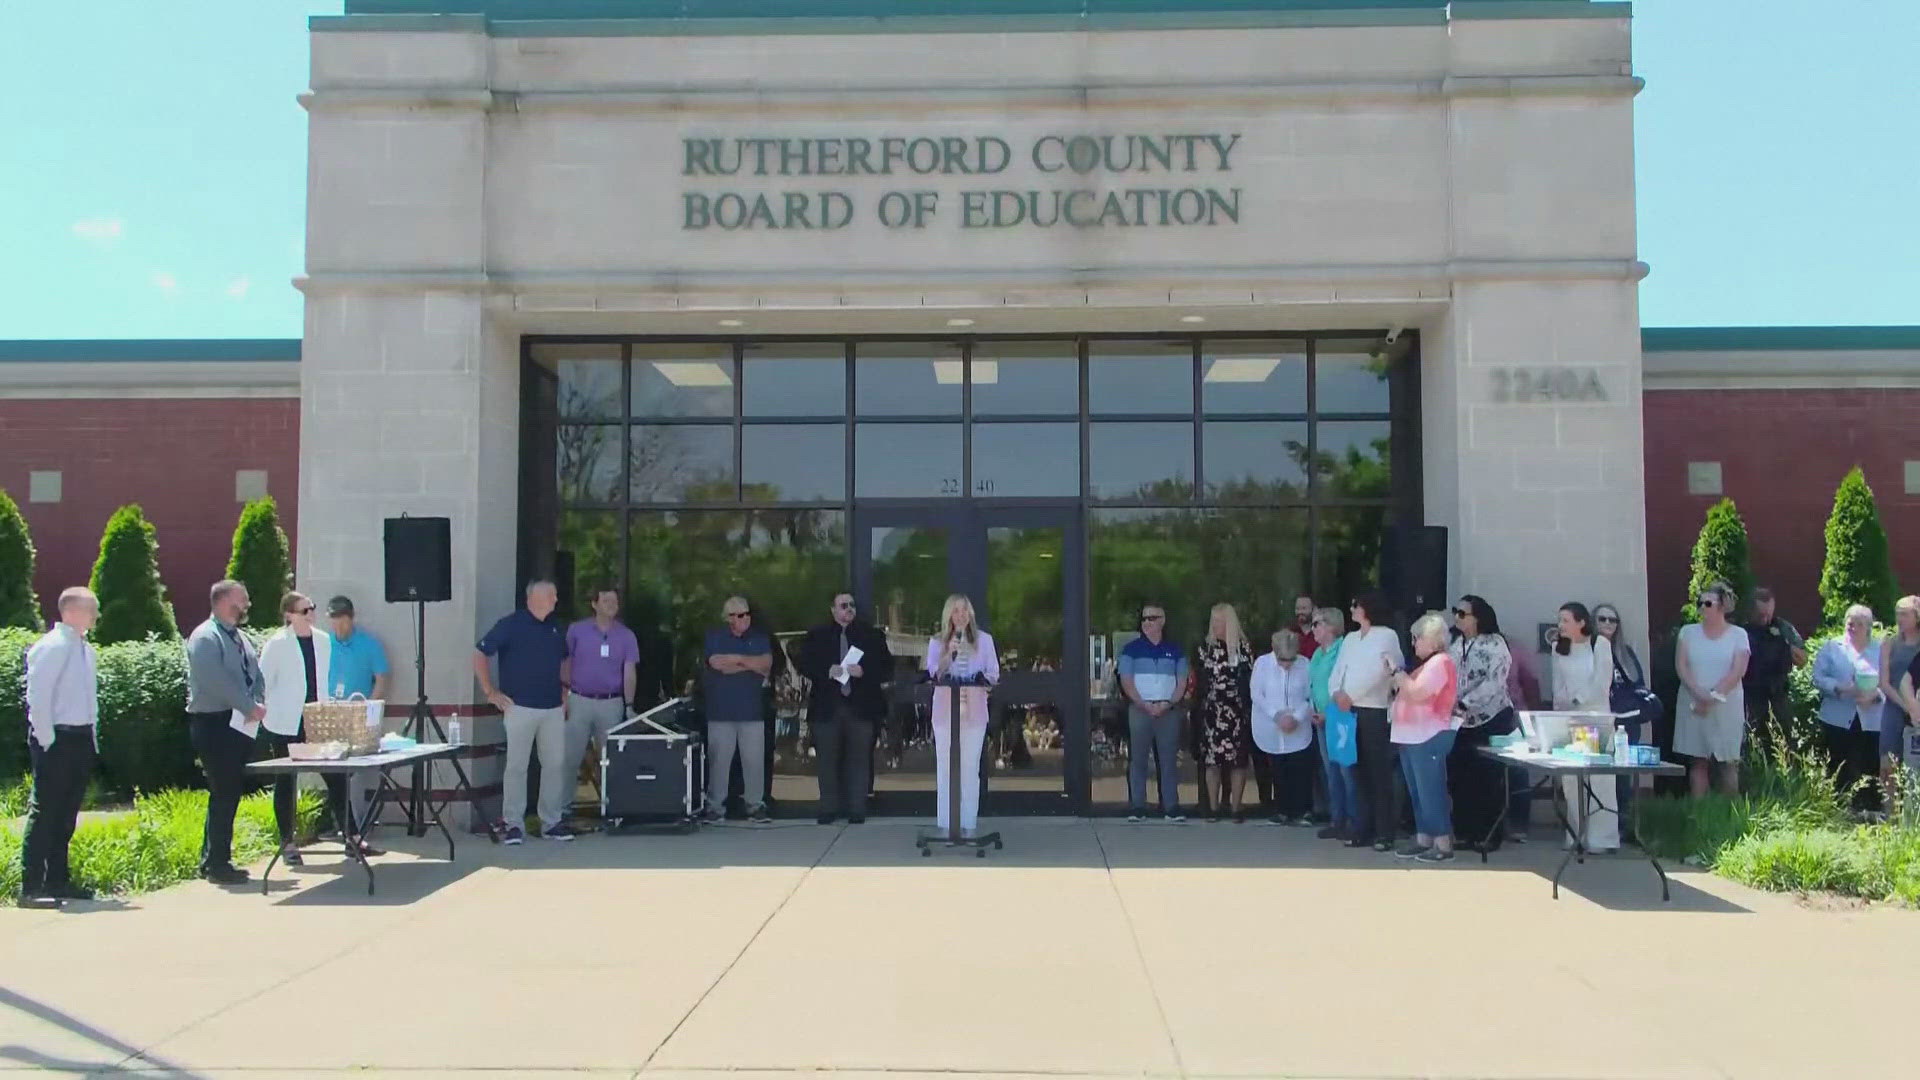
x=1223 y=680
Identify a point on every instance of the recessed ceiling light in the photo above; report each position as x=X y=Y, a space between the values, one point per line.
x=693 y=373
x=731 y=322
x=1241 y=369
x=950 y=372
x=959 y=322
x=1193 y=318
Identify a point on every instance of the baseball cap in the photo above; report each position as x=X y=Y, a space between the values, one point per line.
x=339 y=606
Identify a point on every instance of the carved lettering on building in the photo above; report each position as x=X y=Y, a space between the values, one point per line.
x=1528 y=386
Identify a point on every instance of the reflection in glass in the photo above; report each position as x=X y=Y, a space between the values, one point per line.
x=1026 y=378
x=1140 y=377
x=1253 y=376
x=1145 y=460
x=589 y=556
x=682 y=380
x=1349 y=543
x=1353 y=459
x=1350 y=375
x=589 y=379
x=1253 y=462
x=907 y=461
x=681 y=463
x=794 y=380
x=1026 y=612
x=793 y=462
x=1014 y=460
x=911 y=580
x=907 y=379
x=587 y=462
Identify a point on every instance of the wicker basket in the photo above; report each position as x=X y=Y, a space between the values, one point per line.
x=355 y=721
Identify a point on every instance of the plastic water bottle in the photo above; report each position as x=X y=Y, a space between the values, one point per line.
x=453 y=732
x=1622 y=753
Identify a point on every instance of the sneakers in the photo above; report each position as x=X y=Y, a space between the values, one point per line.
x=759 y=816
x=512 y=835
x=1383 y=845
x=1412 y=849
x=1434 y=855
x=712 y=815
x=1175 y=817
x=291 y=855
x=1331 y=832
x=1136 y=817
x=1279 y=819
x=562 y=832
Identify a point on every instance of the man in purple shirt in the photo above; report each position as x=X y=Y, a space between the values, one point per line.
x=600 y=673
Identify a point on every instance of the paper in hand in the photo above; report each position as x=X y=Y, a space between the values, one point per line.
x=853 y=657
x=240 y=723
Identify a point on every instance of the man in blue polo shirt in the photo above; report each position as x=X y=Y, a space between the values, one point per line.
x=359 y=661
x=531 y=644
x=1153 y=675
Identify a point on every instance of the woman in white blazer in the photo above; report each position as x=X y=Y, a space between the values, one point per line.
x=293 y=663
x=1283 y=727
x=1583 y=682
x=963 y=651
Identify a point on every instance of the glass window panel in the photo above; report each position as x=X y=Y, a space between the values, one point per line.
x=1354 y=459
x=793 y=462
x=1253 y=376
x=1013 y=460
x=1140 y=377
x=1348 y=545
x=681 y=463
x=794 y=380
x=907 y=461
x=1349 y=377
x=589 y=379
x=682 y=380
x=907 y=379
x=587 y=557
x=1251 y=461
x=587 y=462
x=1257 y=560
x=1148 y=460
x=1022 y=378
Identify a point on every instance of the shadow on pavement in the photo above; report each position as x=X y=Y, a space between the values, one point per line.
x=135 y=1061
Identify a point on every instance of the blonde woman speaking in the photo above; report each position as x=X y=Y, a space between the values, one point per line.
x=961 y=651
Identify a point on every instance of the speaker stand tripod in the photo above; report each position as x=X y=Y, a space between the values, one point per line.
x=418 y=721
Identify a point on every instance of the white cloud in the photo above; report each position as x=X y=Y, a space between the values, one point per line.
x=166 y=282
x=103 y=231
x=238 y=287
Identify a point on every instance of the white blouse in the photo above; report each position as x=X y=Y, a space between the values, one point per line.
x=1281 y=691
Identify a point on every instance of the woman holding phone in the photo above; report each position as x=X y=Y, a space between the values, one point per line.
x=964 y=652
x=1362 y=683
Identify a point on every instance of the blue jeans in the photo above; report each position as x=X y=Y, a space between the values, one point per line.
x=1159 y=736
x=1425 y=767
x=1344 y=804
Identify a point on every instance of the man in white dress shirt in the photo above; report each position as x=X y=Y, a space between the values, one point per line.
x=63 y=705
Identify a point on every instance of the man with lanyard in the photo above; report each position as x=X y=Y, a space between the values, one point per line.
x=226 y=701
x=601 y=673
x=359 y=663
x=1153 y=676
x=1777 y=649
x=845 y=705
x=63 y=709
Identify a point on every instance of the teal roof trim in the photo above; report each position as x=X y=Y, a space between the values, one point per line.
x=1778 y=338
x=150 y=350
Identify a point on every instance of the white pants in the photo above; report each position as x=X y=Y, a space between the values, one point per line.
x=1603 y=822
x=546 y=728
x=972 y=738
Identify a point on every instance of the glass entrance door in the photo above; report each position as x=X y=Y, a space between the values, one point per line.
x=1021 y=567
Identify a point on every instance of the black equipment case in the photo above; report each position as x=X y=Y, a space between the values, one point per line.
x=652 y=770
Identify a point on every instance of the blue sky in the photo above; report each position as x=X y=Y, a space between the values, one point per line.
x=153 y=178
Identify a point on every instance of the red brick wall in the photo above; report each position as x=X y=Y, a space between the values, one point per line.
x=1781 y=454
x=175 y=457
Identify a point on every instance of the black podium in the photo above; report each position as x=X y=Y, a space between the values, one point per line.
x=952 y=839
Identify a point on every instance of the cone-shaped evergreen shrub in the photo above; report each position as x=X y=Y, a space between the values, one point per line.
x=1720 y=554
x=1859 y=569
x=260 y=561
x=126 y=578
x=18 y=605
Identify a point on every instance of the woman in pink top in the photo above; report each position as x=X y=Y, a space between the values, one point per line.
x=1423 y=730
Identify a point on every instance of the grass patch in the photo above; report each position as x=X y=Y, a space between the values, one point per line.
x=157 y=844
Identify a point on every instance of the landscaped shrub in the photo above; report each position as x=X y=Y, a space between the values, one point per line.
x=158 y=843
x=260 y=561
x=1858 y=569
x=1720 y=554
x=126 y=578
x=144 y=744
x=18 y=604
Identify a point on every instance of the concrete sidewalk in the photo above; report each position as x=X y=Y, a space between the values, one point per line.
x=1083 y=949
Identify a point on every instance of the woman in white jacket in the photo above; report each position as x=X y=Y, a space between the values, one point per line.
x=293 y=663
x=1283 y=728
x=1583 y=682
x=1362 y=683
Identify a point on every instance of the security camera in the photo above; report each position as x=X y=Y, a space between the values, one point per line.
x=1393 y=335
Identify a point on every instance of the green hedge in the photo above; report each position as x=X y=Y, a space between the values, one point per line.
x=158 y=843
x=144 y=745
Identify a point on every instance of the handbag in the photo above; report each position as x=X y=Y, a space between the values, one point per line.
x=1342 y=730
x=1632 y=703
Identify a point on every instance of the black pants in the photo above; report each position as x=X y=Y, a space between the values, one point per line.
x=1476 y=782
x=1767 y=708
x=1855 y=754
x=60 y=775
x=286 y=798
x=1377 y=773
x=223 y=755
x=843 y=748
x=1292 y=780
x=1264 y=779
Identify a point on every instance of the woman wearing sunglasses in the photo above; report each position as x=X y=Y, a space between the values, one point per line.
x=1712 y=721
x=293 y=664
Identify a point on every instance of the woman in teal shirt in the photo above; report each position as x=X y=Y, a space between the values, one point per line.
x=1336 y=737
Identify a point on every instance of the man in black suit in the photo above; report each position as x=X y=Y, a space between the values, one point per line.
x=846 y=702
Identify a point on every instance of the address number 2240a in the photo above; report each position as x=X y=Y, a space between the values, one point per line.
x=1524 y=386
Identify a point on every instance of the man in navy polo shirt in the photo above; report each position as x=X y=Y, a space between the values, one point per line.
x=531 y=644
x=1153 y=675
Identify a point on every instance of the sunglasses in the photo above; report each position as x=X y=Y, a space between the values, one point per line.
x=738 y=614
x=1607 y=618
x=1706 y=602
x=843 y=607
x=1154 y=618
x=308 y=610
x=1462 y=613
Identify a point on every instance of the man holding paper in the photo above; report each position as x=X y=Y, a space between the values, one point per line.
x=847 y=662
x=225 y=703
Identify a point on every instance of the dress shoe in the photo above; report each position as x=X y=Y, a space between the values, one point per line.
x=39 y=900
x=825 y=819
x=857 y=819
x=70 y=891
x=225 y=875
